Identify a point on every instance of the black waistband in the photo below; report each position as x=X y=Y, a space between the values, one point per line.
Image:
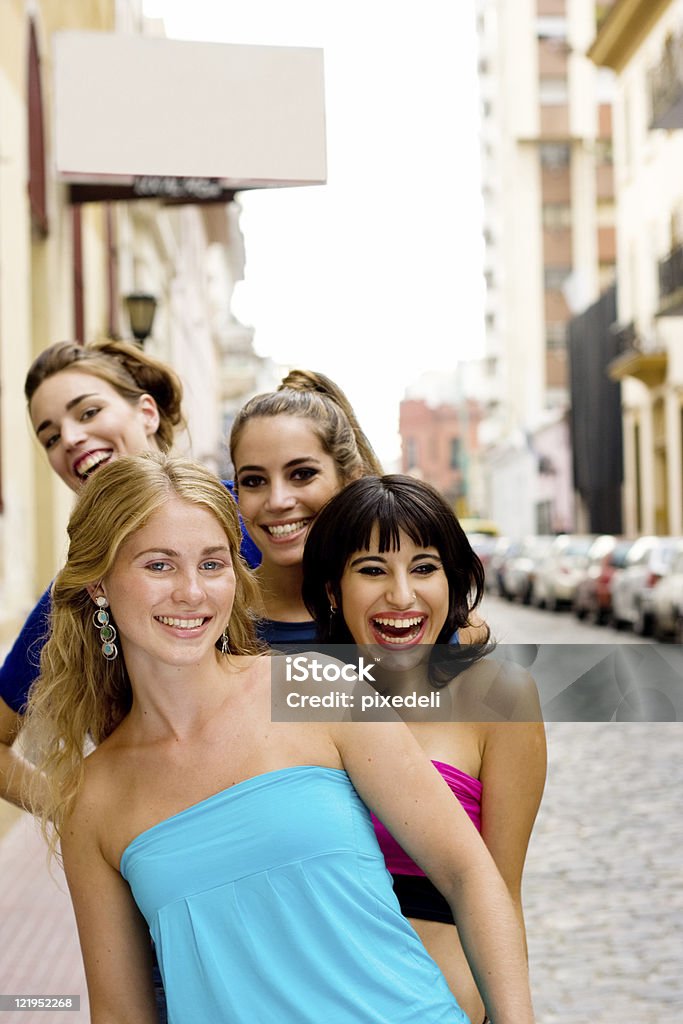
x=419 y=898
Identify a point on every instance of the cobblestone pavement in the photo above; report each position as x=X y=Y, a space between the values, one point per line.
x=603 y=890
x=603 y=887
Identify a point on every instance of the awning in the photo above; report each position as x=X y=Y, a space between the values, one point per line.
x=137 y=116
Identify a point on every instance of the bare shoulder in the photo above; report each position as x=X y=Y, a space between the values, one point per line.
x=102 y=787
x=97 y=789
x=498 y=690
x=475 y=632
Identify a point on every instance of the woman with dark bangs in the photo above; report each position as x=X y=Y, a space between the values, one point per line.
x=388 y=567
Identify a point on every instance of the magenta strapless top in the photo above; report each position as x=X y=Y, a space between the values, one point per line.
x=468 y=792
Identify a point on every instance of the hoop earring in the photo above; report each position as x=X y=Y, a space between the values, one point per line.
x=106 y=630
x=333 y=612
x=225 y=643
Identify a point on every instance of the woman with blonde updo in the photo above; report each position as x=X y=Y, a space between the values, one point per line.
x=293 y=449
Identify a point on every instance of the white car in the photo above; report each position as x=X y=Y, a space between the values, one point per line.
x=558 y=574
x=520 y=567
x=667 y=601
x=647 y=562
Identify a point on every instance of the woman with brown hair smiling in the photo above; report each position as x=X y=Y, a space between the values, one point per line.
x=387 y=567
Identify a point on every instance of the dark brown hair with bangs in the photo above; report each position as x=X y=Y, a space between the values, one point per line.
x=392 y=503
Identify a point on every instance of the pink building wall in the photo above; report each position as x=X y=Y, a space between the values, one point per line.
x=439 y=443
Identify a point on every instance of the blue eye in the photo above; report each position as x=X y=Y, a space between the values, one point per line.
x=212 y=565
x=158 y=566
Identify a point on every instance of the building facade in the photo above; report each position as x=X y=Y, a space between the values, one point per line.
x=642 y=41
x=549 y=234
x=439 y=445
x=74 y=245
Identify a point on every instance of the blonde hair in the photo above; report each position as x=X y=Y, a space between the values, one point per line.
x=126 y=367
x=79 y=695
x=314 y=397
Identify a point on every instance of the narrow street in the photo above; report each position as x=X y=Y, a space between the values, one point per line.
x=587 y=673
x=602 y=893
x=513 y=623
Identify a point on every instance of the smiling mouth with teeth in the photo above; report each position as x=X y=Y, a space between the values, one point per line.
x=285 y=529
x=398 y=631
x=87 y=465
x=166 y=620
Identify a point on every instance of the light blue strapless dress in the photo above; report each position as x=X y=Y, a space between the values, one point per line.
x=269 y=903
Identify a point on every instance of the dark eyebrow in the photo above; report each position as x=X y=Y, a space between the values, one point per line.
x=68 y=407
x=288 y=465
x=367 y=558
x=379 y=558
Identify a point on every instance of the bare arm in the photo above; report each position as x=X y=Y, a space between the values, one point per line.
x=115 y=942
x=436 y=832
x=14 y=769
x=513 y=776
x=20 y=783
x=20 y=668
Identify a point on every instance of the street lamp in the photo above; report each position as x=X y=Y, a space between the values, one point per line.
x=141 y=308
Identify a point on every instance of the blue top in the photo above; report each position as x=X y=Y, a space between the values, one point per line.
x=269 y=903
x=289 y=634
x=22 y=665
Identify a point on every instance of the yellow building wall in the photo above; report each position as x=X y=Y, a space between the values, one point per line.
x=36 y=303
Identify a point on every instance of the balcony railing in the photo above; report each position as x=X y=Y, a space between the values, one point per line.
x=671 y=282
x=636 y=356
x=626 y=338
x=666 y=86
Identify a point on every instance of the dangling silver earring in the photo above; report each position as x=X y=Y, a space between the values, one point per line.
x=106 y=630
x=225 y=643
x=333 y=612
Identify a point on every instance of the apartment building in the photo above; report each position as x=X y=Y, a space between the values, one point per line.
x=99 y=200
x=549 y=235
x=642 y=42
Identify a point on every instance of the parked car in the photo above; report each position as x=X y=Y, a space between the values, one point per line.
x=519 y=568
x=667 y=601
x=584 y=600
x=593 y=597
x=483 y=544
x=494 y=572
x=647 y=562
x=558 y=574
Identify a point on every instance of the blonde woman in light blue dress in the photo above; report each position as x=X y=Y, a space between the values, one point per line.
x=243 y=845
